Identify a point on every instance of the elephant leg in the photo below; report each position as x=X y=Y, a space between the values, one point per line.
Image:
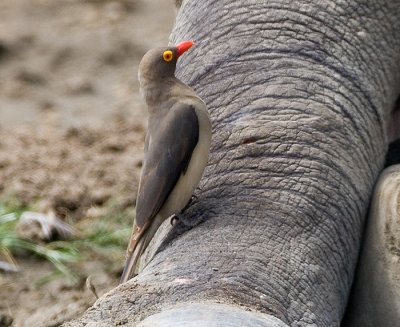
x=375 y=299
x=300 y=94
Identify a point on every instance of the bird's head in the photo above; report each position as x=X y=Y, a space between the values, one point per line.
x=160 y=63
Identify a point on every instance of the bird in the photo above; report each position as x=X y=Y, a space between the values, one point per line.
x=176 y=150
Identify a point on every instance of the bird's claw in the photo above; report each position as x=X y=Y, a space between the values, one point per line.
x=174 y=220
x=193 y=198
x=177 y=217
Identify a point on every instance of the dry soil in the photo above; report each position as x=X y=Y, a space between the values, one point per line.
x=71 y=128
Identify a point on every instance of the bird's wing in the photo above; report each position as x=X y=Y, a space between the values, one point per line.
x=167 y=158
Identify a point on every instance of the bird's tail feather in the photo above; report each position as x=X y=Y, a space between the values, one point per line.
x=138 y=243
x=135 y=249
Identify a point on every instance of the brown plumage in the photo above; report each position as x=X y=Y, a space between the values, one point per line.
x=176 y=149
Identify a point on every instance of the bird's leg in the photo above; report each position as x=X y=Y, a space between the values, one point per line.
x=176 y=217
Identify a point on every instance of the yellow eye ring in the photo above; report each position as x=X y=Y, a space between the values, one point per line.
x=168 y=55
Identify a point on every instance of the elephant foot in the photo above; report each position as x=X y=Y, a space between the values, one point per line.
x=206 y=314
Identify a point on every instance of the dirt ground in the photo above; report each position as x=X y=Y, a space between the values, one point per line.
x=71 y=128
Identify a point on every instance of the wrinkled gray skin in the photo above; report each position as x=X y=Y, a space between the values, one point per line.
x=300 y=95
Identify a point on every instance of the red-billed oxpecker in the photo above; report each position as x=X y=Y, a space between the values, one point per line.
x=176 y=148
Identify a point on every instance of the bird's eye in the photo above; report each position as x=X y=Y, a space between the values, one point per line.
x=168 y=55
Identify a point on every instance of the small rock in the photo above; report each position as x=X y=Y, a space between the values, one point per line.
x=43 y=227
x=8 y=268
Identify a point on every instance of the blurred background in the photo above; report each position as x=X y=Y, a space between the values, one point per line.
x=72 y=126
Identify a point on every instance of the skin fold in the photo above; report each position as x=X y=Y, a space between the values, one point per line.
x=300 y=95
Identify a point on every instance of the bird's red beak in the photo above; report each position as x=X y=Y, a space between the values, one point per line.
x=183 y=47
